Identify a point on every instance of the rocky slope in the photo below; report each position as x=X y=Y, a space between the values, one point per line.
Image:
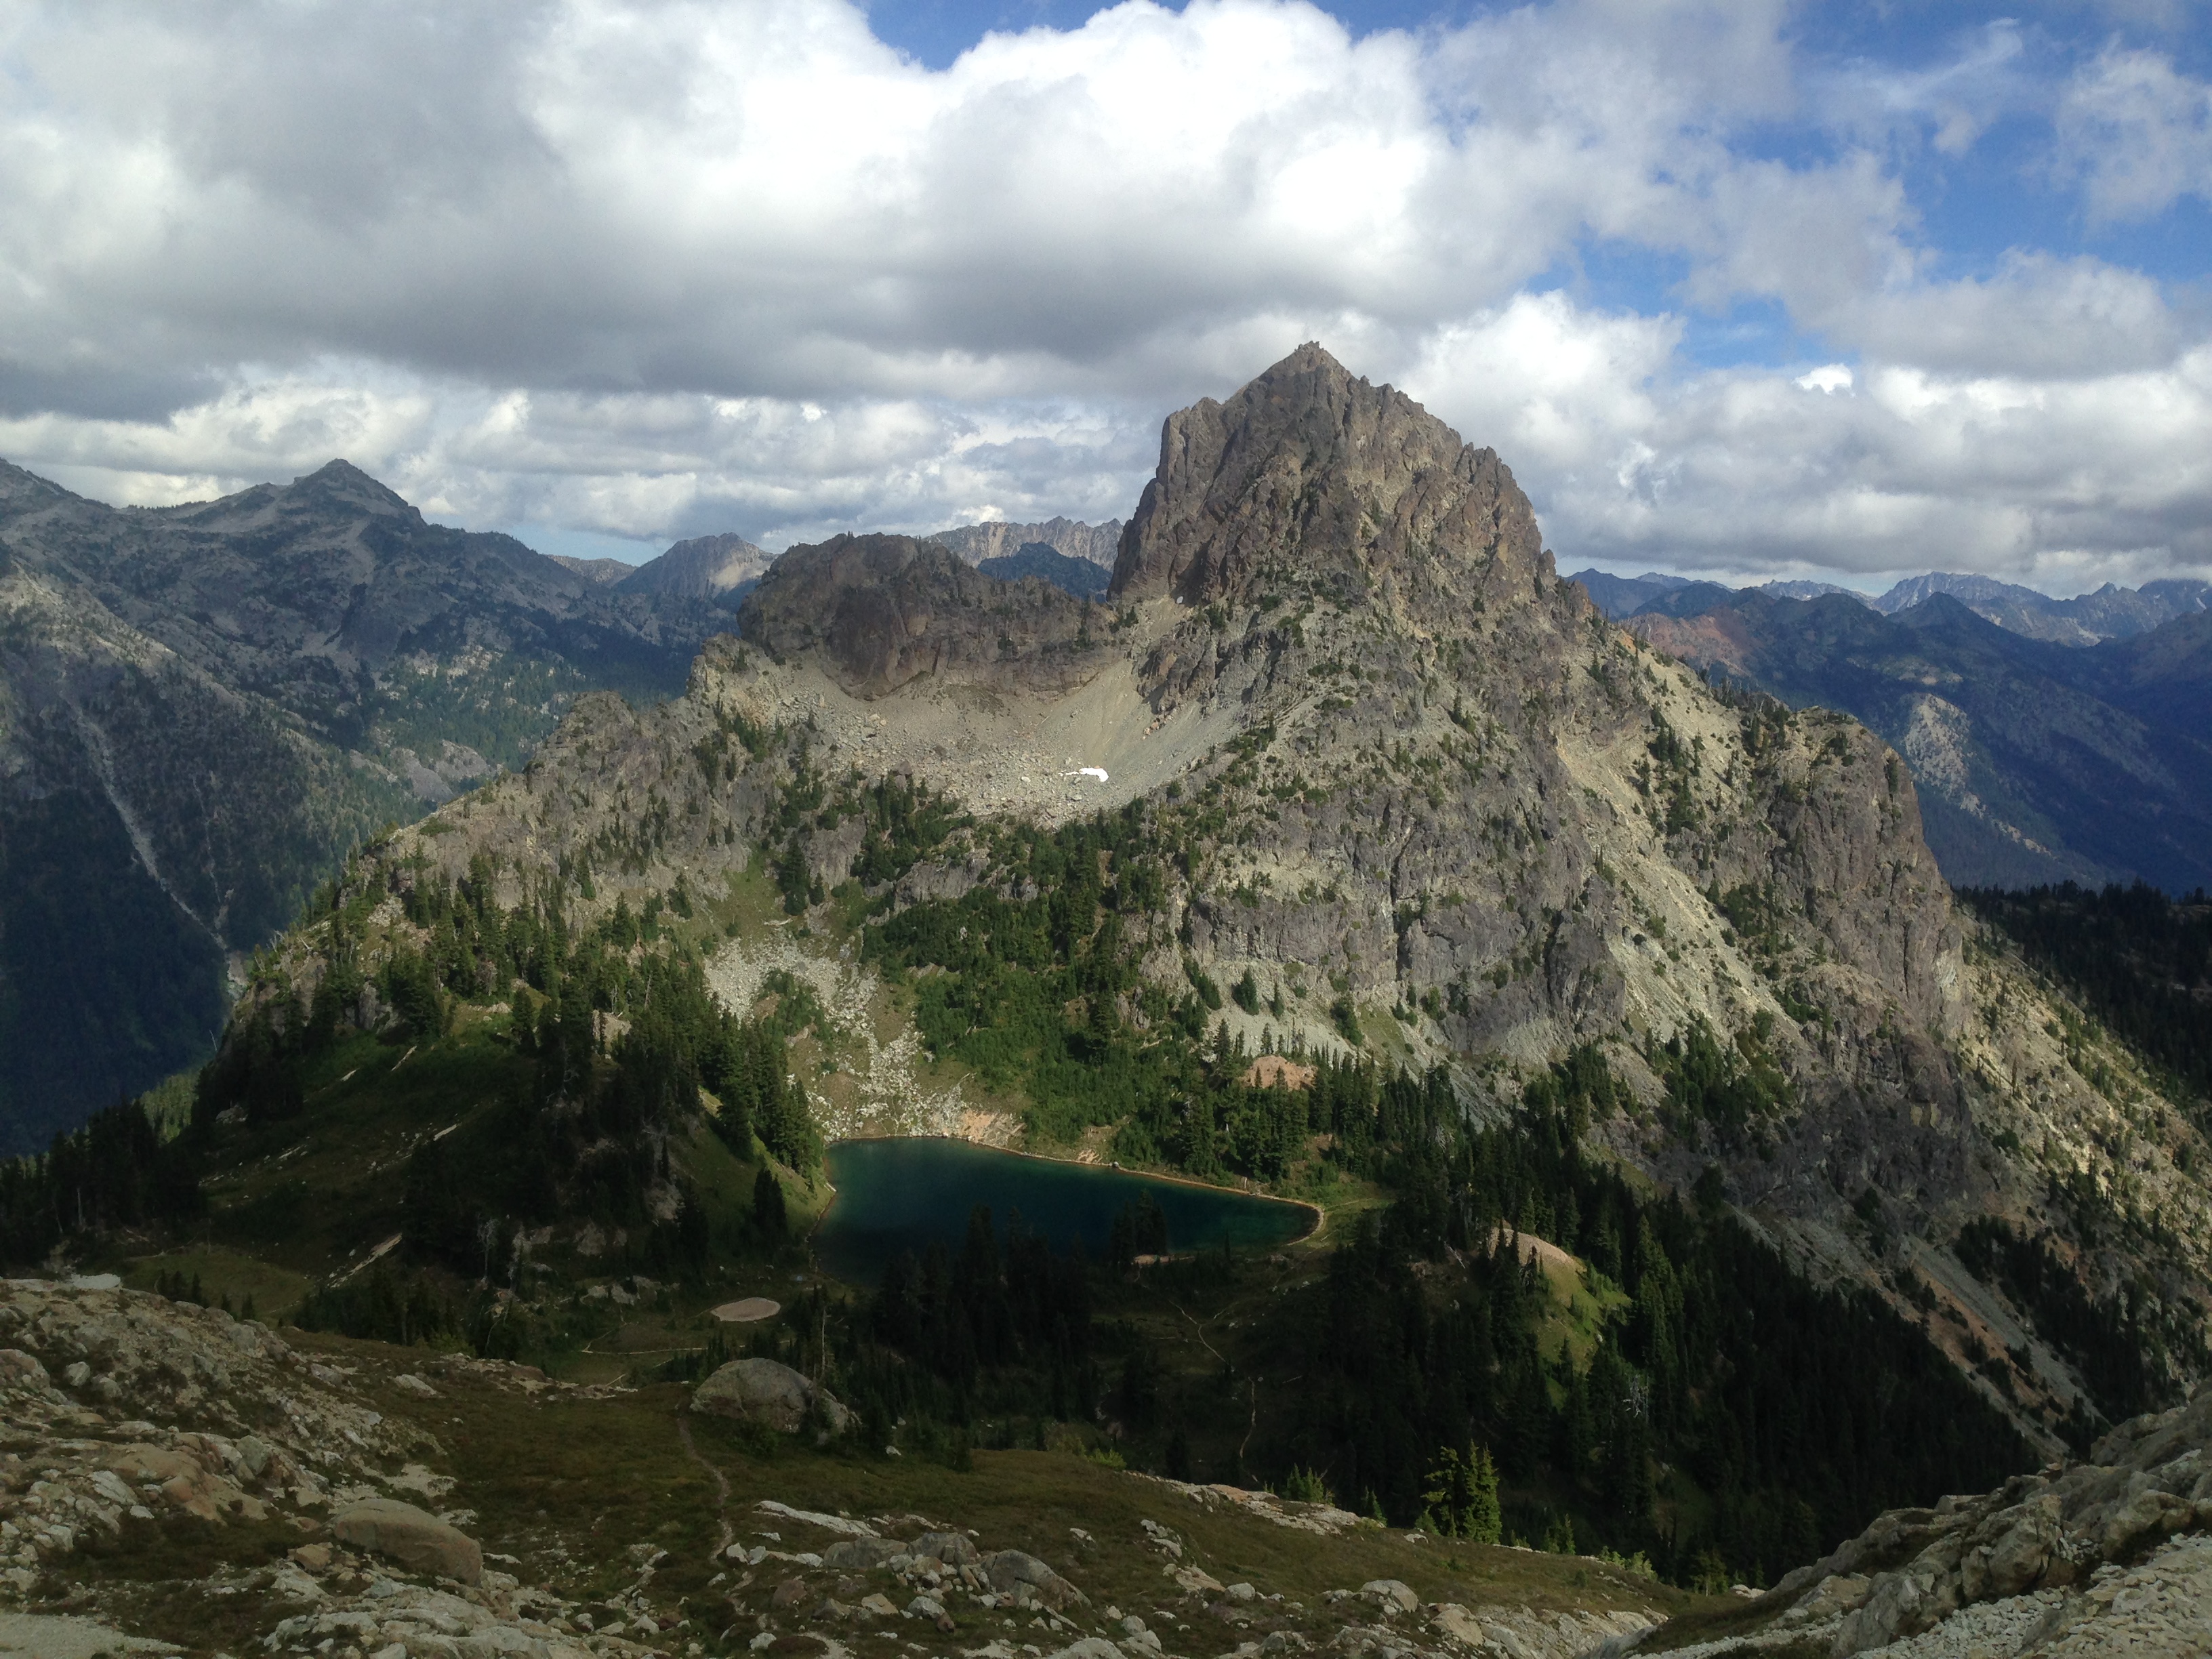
x=202 y=707
x=2035 y=761
x=173 y=1477
x=2113 y=1554
x=1414 y=790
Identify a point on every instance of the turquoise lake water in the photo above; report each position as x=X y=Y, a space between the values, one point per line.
x=900 y=1194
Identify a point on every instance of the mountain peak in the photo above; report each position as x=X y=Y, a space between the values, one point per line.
x=1311 y=472
x=341 y=483
x=704 y=568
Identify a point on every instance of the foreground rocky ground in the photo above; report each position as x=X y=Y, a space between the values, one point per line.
x=174 y=1478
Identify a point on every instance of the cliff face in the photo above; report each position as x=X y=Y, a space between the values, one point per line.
x=1094 y=544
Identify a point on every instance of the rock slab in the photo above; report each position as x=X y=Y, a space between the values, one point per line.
x=412 y=1537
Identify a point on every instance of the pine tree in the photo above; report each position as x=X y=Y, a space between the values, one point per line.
x=770 y=1217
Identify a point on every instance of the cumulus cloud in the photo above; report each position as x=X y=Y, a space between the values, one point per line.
x=2136 y=134
x=1744 y=472
x=653 y=267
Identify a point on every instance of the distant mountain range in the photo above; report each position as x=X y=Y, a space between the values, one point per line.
x=2051 y=740
x=1078 y=557
x=1096 y=544
x=2110 y=613
x=203 y=707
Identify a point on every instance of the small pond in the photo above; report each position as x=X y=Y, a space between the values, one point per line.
x=900 y=1194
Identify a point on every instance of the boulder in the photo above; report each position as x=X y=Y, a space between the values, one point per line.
x=1456 y=1622
x=862 y=1554
x=412 y=1537
x=1838 y=1593
x=1390 y=1595
x=763 y=1391
x=1011 y=1568
x=2146 y=1514
x=1899 y=1606
x=2016 y=1559
x=955 y=1549
x=182 y=1480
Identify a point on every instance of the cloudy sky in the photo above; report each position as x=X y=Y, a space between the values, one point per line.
x=1846 y=289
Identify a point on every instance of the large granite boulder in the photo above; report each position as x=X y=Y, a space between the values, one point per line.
x=763 y=1391
x=412 y=1537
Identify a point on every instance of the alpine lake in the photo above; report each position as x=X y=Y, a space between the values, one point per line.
x=904 y=1193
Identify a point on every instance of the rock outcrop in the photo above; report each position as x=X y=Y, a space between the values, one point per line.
x=136 y=1407
x=2037 y=762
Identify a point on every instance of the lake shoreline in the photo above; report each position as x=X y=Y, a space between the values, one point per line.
x=1308 y=1218
x=1320 y=1216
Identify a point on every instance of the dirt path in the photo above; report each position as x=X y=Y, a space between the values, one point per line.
x=724 y=1531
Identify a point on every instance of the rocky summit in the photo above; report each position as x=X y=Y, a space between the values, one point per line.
x=883 y=611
